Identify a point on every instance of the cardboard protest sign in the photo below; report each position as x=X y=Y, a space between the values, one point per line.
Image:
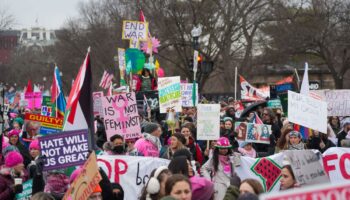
x=258 y=133
x=208 y=121
x=169 y=91
x=47 y=107
x=307 y=111
x=307 y=167
x=338 y=102
x=97 y=101
x=336 y=163
x=186 y=94
x=44 y=125
x=69 y=148
x=135 y=31
x=121 y=115
x=241 y=130
x=33 y=99
x=315 y=192
x=86 y=182
x=131 y=172
x=27 y=191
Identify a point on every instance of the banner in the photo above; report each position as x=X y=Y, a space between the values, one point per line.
x=121 y=115
x=131 y=172
x=186 y=94
x=69 y=148
x=33 y=99
x=27 y=191
x=274 y=104
x=47 y=107
x=86 y=182
x=208 y=121
x=307 y=111
x=248 y=92
x=45 y=125
x=169 y=91
x=336 y=162
x=338 y=102
x=98 y=109
x=135 y=31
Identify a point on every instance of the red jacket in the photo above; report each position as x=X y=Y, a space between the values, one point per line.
x=139 y=83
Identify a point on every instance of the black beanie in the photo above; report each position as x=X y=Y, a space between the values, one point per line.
x=150 y=127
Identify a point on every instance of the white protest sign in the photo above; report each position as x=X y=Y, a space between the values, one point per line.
x=169 y=92
x=336 y=162
x=307 y=167
x=131 y=172
x=208 y=121
x=307 y=111
x=186 y=94
x=338 y=102
x=135 y=31
x=195 y=61
x=97 y=101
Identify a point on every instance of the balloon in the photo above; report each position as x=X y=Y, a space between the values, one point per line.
x=137 y=59
x=160 y=72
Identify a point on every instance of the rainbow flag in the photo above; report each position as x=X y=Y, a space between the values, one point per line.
x=305 y=132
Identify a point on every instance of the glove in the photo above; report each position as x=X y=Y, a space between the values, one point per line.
x=18 y=188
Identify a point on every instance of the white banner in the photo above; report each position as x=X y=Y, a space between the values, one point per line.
x=336 y=162
x=186 y=94
x=208 y=121
x=131 y=172
x=307 y=111
x=338 y=102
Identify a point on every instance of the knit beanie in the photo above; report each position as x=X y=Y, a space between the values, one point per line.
x=13 y=158
x=150 y=127
x=34 y=145
x=75 y=174
x=19 y=121
x=13 y=132
x=56 y=183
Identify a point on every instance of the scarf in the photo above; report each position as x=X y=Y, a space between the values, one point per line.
x=153 y=139
x=299 y=146
x=225 y=162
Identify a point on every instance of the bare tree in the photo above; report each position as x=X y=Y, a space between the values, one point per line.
x=6 y=19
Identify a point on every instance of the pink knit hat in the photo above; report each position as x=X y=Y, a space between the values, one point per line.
x=75 y=174
x=13 y=132
x=34 y=145
x=223 y=142
x=13 y=158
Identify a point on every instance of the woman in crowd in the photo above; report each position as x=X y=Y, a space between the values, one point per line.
x=287 y=178
x=155 y=187
x=131 y=150
x=252 y=186
x=282 y=143
x=229 y=133
x=35 y=167
x=295 y=141
x=14 y=140
x=177 y=141
x=187 y=131
x=179 y=187
x=150 y=144
x=334 y=122
x=220 y=166
x=146 y=81
x=319 y=141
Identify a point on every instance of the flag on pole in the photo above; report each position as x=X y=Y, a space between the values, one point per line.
x=305 y=84
x=57 y=95
x=29 y=87
x=106 y=80
x=79 y=109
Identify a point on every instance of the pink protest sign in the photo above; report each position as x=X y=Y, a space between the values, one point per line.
x=121 y=115
x=33 y=99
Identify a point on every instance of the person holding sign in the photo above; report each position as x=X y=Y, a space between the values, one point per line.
x=146 y=81
x=150 y=144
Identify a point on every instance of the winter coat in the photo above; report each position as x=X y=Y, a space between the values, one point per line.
x=7 y=183
x=139 y=83
x=147 y=148
x=195 y=150
x=314 y=143
x=24 y=152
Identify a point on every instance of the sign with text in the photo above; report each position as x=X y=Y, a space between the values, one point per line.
x=27 y=191
x=46 y=124
x=33 y=99
x=169 y=91
x=86 y=182
x=336 y=162
x=186 y=94
x=248 y=92
x=121 y=115
x=338 y=102
x=307 y=111
x=135 y=31
x=274 y=104
x=250 y=132
x=98 y=110
x=47 y=107
x=66 y=149
x=208 y=121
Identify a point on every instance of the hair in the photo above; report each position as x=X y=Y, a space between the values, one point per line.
x=160 y=178
x=216 y=158
x=330 y=120
x=281 y=143
x=183 y=152
x=178 y=165
x=180 y=138
x=190 y=127
x=289 y=168
x=42 y=196
x=173 y=180
x=116 y=136
x=271 y=114
x=257 y=187
x=144 y=70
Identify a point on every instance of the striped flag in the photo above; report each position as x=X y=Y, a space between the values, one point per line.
x=57 y=95
x=106 y=80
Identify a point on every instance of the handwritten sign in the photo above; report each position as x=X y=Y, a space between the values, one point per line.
x=307 y=111
x=338 y=102
x=186 y=94
x=86 y=182
x=135 y=31
x=169 y=91
x=69 y=148
x=208 y=122
x=121 y=115
x=47 y=125
x=33 y=99
x=98 y=110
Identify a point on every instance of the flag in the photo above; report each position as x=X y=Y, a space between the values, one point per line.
x=248 y=92
x=288 y=79
x=29 y=87
x=305 y=132
x=57 y=95
x=142 y=18
x=256 y=119
x=106 y=80
x=79 y=109
x=305 y=84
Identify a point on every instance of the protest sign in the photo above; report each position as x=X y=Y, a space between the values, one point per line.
x=307 y=167
x=241 y=130
x=274 y=104
x=307 y=111
x=208 y=121
x=338 y=102
x=135 y=31
x=5 y=108
x=86 y=182
x=186 y=94
x=69 y=148
x=44 y=124
x=47 y=107
x=33 y=99
x=121 y=115
x=314 y=192
x=27 y=191
x=169 y=91
x=248 y=92
x=98 y=109
x=336 y=162
x=131 y=172
x=258 y=133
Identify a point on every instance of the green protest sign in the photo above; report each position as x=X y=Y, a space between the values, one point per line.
x=27 y=191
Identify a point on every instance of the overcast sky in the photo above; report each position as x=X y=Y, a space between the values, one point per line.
x=50 y=13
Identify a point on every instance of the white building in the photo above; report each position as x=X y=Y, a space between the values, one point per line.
x=36 y=38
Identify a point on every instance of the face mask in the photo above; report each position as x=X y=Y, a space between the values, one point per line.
x=119 y=149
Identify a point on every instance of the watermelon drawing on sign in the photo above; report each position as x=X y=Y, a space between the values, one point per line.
x=268 y=171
